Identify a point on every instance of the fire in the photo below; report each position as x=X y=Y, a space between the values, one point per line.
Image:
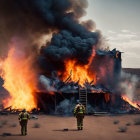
x=117 y=54
x=19 y=80
x=78 y=72
x=133 y=103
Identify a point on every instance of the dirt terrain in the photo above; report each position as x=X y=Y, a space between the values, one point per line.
x=52 y=128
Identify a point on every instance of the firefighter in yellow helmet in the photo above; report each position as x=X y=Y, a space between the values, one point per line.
x=79 y=113
x=23 y=120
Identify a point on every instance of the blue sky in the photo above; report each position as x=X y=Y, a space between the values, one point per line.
x=119 y=22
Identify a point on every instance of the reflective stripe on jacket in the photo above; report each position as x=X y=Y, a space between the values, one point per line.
x=24 y=116
x=79 y=109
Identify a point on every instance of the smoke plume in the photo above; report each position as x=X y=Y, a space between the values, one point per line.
x=66 y=106
x=26 y=22
x=31 y=19
x=128 y=84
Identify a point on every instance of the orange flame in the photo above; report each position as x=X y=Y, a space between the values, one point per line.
x=78 y=72
x=107 y=97
x=117 y=54
x=133 y=103
x=19 y=80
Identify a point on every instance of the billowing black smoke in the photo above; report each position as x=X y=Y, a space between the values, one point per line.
x=67 y=44
x=30 y=19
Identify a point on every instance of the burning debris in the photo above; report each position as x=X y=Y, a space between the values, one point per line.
x=133 y=104
x=76 y=75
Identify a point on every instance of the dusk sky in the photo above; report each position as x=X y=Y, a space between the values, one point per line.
x=119 y=22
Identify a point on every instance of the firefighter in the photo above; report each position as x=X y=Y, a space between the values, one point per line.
x=79 y=113
x=23 y=120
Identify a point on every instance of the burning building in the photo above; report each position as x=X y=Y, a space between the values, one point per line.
x=71 y=65
x=93 y=83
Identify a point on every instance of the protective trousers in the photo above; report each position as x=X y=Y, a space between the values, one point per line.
x=80 y=118
x=23 y=124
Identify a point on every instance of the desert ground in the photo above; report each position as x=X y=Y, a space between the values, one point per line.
x=52 y=128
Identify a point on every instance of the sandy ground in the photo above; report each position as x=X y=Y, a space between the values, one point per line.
x=51 y=128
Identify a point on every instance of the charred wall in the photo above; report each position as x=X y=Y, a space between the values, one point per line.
x=107 y=66
x=64 y=103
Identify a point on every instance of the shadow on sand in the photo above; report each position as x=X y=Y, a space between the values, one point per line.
x=9 y=134
x=65 y=130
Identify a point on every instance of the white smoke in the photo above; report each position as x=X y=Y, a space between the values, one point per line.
x=46 y=82
x=128 y=84
x=66 y=106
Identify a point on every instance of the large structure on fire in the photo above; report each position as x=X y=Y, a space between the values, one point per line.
x=95 y=96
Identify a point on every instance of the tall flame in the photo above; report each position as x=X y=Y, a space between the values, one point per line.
x=19 y=80
x=79 y=72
